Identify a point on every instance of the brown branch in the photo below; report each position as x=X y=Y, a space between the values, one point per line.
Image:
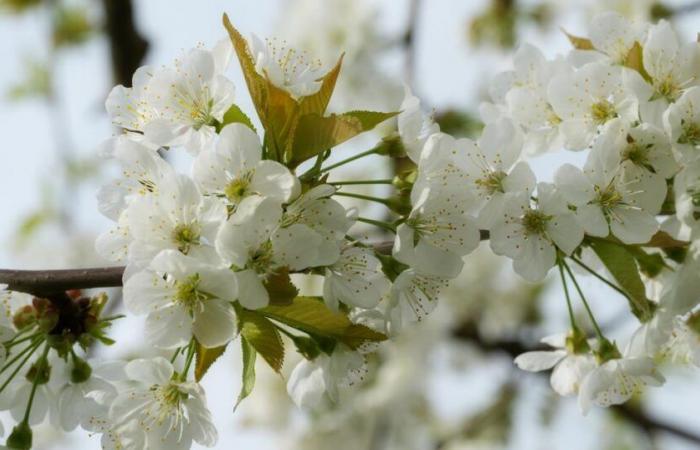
x=47 y=282
x=633 y=415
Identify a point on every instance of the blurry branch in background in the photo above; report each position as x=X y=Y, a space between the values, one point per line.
x=468 y=332
x=409 y=42
x=498 y=24
x=127 y=46
x=661 y=10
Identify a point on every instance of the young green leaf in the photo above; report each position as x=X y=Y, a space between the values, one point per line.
x=579 y=43
x=204 y=358
x=315 y=133
x=621 y=264
x=248 y=374
x=311 y=315
x=318 y=102
x=280 y=288
x=236 y=115
x=263 y=336
x=634 y=61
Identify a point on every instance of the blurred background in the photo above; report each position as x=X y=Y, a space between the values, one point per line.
x=447 y=384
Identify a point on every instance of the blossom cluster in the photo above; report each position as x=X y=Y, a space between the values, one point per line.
x=218 y=252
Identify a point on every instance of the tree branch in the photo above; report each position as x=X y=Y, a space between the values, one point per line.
x=43 y=283
x=46 y=282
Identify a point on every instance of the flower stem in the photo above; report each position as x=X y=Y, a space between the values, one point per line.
x=35 y=384
x=345 y=183
x=598 y=332
x=11 y=344
x=17 y=369
x=566 y=294
x=349 y=160
x=24 y=351
x=188 y=361
x=378 y=223
x=369 y=198
x=598 y=276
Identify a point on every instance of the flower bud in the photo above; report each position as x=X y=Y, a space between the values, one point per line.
x=81 y=370
x=577 y=342
x=24 y=317
x=391 y=146
x=21 y=437
x=40 y=372
x=606 y=351
x=399 y=204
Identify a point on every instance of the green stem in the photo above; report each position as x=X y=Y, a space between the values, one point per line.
x=371 y=151
x=598 y=332
x=369 y=198
x=18 y=368
x=593 y=272
x=378 y=223
x=111 y=318
x=566 y=293
x=19 y=355
x=35 y=384
x=11 y=344
x=346 y=183
x=188 y=361
x=177 y=352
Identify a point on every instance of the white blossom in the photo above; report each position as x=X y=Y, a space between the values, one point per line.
x=184 y=297
x=160 y=412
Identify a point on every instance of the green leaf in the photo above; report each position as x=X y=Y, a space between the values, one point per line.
x=236 y=115
x=651 y=264
x=314 y=133
x=634 y=60
x=256 y=83
x=248 y=375
x=370 y=119
x=311 y=315
x=579 y=43
x=276 y=108
x=280 y=288
x=318 y=102
x=263 y=336
x=204 y=358
x=663 y=240
x=623 y=267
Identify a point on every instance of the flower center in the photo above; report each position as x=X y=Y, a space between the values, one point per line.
x=168 y=400
x=493 y=182
x=668 y=89
x=187 y=293
x=185 y=236
x=608 y=198
x=237 y=188
x=603 y=111
x=637 y=154
x=535 y=222
x=200 y=113
x=260 y=260
x=691 y=133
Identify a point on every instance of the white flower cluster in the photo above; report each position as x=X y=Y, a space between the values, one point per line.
x=629 y=96
x=206 y=249
x=213 y=255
